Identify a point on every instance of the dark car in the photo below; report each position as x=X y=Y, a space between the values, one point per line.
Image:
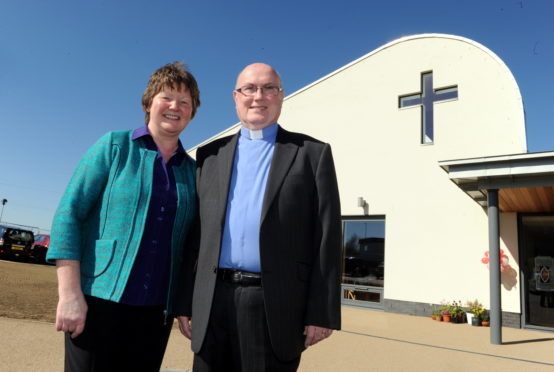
x=16 y=242
x=40 y=247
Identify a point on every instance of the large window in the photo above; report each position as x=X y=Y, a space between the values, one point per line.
x=363 y=261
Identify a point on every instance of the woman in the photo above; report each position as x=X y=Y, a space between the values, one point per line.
x=119 y=233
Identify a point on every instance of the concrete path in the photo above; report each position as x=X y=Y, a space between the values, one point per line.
x=369 y=341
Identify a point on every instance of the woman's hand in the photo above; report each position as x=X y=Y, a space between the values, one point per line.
x=72 y=307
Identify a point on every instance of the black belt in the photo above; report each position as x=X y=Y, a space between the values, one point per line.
x=244 y=278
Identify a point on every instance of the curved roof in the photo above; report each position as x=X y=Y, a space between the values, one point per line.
x=410 y=38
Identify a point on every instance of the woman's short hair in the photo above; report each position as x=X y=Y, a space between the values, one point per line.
x=173 y=76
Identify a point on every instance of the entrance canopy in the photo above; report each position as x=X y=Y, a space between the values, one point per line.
x=525 y=181
x=507 y=183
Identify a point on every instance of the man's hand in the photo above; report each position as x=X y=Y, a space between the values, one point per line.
x=185 y=326
x=315 y=334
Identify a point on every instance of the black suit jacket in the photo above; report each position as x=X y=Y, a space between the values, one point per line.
x=300 y=238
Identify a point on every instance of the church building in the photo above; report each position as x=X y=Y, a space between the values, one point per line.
x=428 y=138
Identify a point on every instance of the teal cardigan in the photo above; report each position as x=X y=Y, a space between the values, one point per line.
x=101 y=217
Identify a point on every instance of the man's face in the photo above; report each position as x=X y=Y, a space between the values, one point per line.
x=260 y=109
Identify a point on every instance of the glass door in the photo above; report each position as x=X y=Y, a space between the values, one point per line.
x=537 y=251
x=363 y=262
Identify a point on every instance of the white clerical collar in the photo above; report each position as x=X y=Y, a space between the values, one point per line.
x=257 y=134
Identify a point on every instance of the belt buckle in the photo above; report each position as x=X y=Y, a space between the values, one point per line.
x=237 y=276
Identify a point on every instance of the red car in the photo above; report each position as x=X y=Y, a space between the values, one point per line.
x=40 y=246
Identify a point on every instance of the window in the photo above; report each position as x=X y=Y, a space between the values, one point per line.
x=363 y=277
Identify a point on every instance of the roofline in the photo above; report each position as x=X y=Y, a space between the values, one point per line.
x=375 y=51
x=446 y=164
x=404 y=39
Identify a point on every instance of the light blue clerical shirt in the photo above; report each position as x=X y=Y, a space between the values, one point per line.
x=240 y=248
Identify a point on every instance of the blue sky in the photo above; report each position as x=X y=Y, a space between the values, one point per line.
x=71 y=70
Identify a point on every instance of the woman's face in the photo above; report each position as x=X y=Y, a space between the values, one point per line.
x=170 y=112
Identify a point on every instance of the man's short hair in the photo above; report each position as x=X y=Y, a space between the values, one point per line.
x=173 y=76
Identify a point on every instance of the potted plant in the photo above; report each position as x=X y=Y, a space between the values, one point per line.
x=445 y=312
x=437 y=314
x=475 y=309
x=485 y=319
x=457 y=312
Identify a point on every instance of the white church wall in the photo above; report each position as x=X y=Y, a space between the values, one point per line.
x=435 y=234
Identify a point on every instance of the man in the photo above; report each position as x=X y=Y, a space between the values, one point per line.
x=268 y=272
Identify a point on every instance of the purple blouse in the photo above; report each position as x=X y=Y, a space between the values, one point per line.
x=149 y=279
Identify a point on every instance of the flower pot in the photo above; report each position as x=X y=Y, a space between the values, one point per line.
x=446 y=318
x=475 y=321
x=438 y=318
x=469 y=316
x=485 y=323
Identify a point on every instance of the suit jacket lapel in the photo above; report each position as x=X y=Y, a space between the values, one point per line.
x=225 y=158
x=283 y=156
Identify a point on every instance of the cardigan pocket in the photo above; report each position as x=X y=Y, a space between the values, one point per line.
x=96 y=261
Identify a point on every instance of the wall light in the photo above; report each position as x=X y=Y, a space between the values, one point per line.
x=363 y=204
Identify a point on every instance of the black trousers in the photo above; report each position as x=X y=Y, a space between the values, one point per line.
x=118 y=337
x=237 y=338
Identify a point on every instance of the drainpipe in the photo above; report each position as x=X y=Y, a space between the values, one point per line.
x=494 y=267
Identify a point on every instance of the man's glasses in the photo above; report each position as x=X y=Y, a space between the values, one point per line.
x=267 y=91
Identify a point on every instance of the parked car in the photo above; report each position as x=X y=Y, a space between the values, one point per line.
x=40 y=247
x=16 y=242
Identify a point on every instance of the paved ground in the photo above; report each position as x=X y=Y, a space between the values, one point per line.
x=370 y=341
